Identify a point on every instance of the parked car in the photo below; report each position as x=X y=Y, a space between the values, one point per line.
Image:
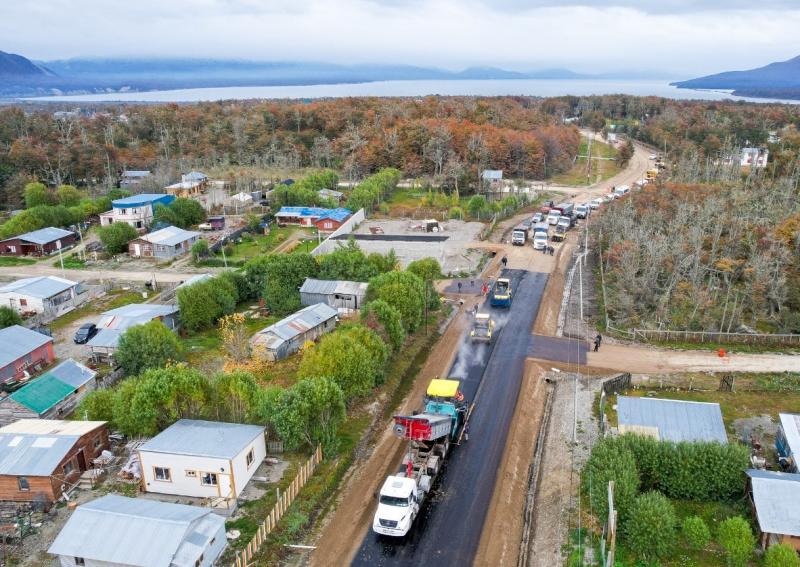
x=85 y=333
x=596 y=203
x=582 y=211
x=537 y=218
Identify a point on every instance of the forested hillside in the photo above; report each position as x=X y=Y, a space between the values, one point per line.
x=448 y=137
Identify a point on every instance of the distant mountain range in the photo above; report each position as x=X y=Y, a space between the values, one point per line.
x=22 y=77
x=776 y=80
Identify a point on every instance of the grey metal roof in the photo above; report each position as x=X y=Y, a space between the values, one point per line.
x=116 y=321
x=298 y=323
x=493 y=174
x=331 y=287
x=33 y=455
x=132 y=531
x=197 y=278
x=671 y=420
x=194 y=176
x=776 y=498
x=169 y=236
x=331 y=193
x=135 y=173
x=790 y=423
x=44 y=235
x=73 y=373
x=42 y=286
x=203 y=438
x=18 y=341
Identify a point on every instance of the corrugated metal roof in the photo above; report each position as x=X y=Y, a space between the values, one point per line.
x=301 y=212
x=671 y=420
x=143 y=199
x=332 y=287
x=331 y=193
x=790 y=423
x=51 y=427
x=73 y=373
x=776 y=497
x=169 y=236
x=299 y=322
x=43 y=235
x=132 y=531
x=18 y=341
x=42 y=393
x=116 y=321
x=41 y=287
x=194 y=176
x=33 y=455
x=135 y=173
x=493 y=174
x=197 y=278
x=340 y=215
x=203 y=438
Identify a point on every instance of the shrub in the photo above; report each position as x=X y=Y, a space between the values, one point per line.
x=696 y=532
x=116 y=236
x=151 y=345
x=611 y=460
x=736 y=538
x=386 y=321
x=200 y=249
x=649 y=526
x=402 y=290
x=781 y=555
x=9 y=317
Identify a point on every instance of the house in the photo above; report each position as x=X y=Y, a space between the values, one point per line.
x=331 y=220
x=339 y=294
x=137 y=210
x=53 y=394
x=241 y=199
x=23 y=350
x=671 y=420
x=163 y=244
x=492 y=177
x=184 y=189
x=285 y=337
x=195 y=177
x=116 y=321
x=754 y=157
x=775 y=499
x=133 y=178
x=37 y=295
x=40 y=458
x=116 y=531
x=40 y=242
x=787 y=441
x=303 y=216
x=205 y=459
x=336 y=196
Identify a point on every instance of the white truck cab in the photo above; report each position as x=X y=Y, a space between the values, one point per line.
x=539 y=240
x=552 y=217
x=564 y=222
x=398 y=505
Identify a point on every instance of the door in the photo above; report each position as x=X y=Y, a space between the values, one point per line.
x=137 y=249
x=81 y=461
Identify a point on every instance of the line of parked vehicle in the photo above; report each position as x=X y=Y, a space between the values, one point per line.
x=537 y=229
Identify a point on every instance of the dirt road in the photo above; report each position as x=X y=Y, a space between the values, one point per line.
x=41 y=269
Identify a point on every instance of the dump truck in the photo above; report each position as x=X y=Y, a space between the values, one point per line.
x=430 y=435
x=651 y=174
x=501 y=293
x=519 y=236
x=482 y=328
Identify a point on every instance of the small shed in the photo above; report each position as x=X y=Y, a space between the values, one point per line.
x=671 y=420
x=163 y=244
x=116 y=531
x=339 y=294
x=492 y=176
x=116 y=321
x=787 y=441
x=206 y=459
x=331 y=220
x=331 y=194
x=133 y=178
x=24 y=351
x=53 y=394
x=303 y=216
x=39 y=294
x=38 y=243
x=775 y=499
x=285 y=337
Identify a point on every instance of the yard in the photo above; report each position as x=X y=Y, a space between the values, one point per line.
x=601 y=169
x=15 y=261
x=280 y=240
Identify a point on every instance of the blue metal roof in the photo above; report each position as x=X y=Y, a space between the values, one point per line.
x=672 y=420
x=143 y=199
x=301 y=211
x=73 y=373
x=493 y=174
x=339 y=215
x=204 y=438
x=44 y=235
x=136 y=531
x=18 y=341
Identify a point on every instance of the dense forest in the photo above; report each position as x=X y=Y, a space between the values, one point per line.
x=452 y=138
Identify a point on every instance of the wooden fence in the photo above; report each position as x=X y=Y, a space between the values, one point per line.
x=284 y=501
x=715 y=338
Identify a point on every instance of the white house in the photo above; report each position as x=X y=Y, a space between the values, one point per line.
x=39 y=294
x=754 y=157
x=205 y=459
x=137 y=210
x=116 y=531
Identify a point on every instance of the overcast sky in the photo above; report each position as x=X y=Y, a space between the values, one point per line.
x=681 y=37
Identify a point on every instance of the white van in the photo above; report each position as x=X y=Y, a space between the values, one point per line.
x=582 y=211
x=539 y=240
x=622 y=190
x=552 y=217
x=596 y=203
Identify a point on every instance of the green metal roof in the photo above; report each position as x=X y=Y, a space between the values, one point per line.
x=42 y=394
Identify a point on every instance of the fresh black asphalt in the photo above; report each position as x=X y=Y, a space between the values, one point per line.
x=449 y=529
x=559 y=349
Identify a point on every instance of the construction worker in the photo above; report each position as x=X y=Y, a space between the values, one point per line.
x=504 y=261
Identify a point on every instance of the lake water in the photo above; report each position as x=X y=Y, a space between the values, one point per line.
x=533 y=87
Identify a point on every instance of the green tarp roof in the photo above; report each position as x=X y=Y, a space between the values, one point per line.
x=42 y=394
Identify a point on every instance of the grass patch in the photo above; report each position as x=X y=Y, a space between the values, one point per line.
x=601 y=169
x=14 y=261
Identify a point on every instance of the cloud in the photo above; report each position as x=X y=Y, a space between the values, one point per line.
x=677 y=36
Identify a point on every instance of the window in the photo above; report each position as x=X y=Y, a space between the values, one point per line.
x=191 y=474
x=208 y=479
x=251 y=456
x=23 y=483
x=23 y=302
x=68 y=467
x=80 y=561
x=162 y=473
